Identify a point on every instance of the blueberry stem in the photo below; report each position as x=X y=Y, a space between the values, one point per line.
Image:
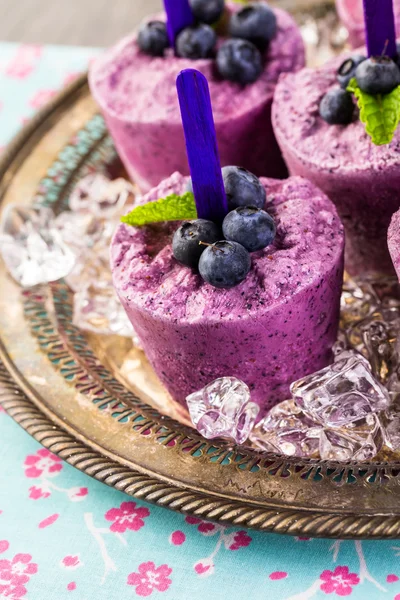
x=213 y=246
x=380 y=27
x=179 y=16
x=201 y=145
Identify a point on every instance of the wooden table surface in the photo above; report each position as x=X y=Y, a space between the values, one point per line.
x=74 y=22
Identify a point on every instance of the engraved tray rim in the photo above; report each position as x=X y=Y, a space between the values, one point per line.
x=374 y=487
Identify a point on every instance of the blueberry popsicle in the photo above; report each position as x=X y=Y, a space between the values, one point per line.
x=134 y=86
x=352 y=17
x=277 y=325
x=338 y=126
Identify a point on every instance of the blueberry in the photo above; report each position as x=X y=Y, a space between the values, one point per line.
x=224 y=264
x=337 y=107
x=243 y=188
x=207 y=11
x=196 y=42
x=255 y=23
x=378 y=75
x=347 y=69
x=239 y=61
x=186 y=245
x=251 y=227
x=153 y=38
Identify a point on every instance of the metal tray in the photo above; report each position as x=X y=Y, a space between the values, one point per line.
x=69 y=392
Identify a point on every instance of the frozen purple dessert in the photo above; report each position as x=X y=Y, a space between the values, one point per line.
x=274 y=327
x=352 y=17
x=323 y=139
x=394 y=241
x=137 y=96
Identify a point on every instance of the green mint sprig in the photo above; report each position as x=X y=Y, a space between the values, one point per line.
x=380 y=113
x=171 y=208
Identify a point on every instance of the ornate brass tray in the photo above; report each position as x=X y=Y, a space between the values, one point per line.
x=66 y=389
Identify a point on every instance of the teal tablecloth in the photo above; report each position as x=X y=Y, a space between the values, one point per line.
x=63 y=535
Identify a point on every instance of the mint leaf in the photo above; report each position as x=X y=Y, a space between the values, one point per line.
x=380 y=114
x=171 y=208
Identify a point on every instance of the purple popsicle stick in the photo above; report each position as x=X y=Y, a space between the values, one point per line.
x=179 y=16
x=201 y=145
x=380 y=27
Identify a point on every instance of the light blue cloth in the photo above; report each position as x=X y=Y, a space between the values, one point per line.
x=63 y=535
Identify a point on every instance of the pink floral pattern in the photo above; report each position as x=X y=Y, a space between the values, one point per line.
x=15 y=574
x=149 y=578
x=204 y=567
x=77 y=494
x=240 y=540
x=41 y=98
x=231 y=540
x=204 y=527
x=48 y=521
x=4 y=546
x=37 y=493
x=278 y=575
x=71 y=562
x=339 y=582
x=127 y=516
x=42 y=463
x=12 y=592
x=45 y=466
x=177 y=538
x=18 y=570
x=24 y=61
